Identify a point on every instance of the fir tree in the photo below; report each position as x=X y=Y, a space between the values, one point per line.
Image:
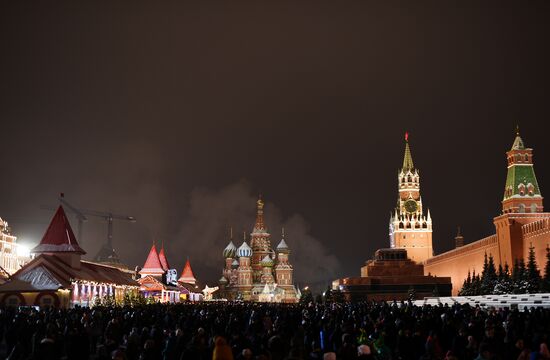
x=504 y=283
x=533 y=274
x=500 y=272
x=488 y=276
x=466 y=286
x=546 y=279
x=475 y=287
x=519 y=277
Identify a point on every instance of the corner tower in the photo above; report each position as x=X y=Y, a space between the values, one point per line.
x=410 y=227
x=521 y=192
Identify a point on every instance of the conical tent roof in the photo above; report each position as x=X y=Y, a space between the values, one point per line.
x=163 y=260
x=407 y=158
x=59 y=236
x=187 y=274
x=152 y=264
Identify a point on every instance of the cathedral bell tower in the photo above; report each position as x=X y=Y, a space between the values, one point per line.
x=410 y=228
x=259 y=242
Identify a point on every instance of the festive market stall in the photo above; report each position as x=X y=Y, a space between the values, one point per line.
x=58 y=277
x=160 y=283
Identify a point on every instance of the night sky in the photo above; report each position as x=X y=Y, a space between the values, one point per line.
x=181 y=113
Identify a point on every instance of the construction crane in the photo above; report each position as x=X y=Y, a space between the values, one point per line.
x=79 y=215
x=108 y=216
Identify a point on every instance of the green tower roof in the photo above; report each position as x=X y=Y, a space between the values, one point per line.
x=522 y=173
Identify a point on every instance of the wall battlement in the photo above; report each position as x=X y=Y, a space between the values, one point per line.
x=485 y=242
x=536 y=228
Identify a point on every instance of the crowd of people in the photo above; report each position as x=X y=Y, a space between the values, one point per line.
x=223 y=331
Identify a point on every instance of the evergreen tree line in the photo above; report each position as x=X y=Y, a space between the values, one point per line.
x=523 y=279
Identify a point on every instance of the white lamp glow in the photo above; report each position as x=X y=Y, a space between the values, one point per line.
x=23 y=251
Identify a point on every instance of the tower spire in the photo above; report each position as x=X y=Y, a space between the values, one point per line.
x=259 y=226
x=459 y=239
x=407 y=159
x=518 y=141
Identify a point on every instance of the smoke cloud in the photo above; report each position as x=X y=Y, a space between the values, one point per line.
x=205 y=233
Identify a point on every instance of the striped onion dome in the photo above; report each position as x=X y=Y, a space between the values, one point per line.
x=229 y=250
x=244 y=250
x=267 y=261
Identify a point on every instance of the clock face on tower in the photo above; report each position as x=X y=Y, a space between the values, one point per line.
x=411 y=206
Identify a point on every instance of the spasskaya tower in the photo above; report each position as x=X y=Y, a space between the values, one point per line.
x=410 y=227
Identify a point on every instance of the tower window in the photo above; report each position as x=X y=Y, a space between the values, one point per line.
x=530 y=189
x=521 y=208
x=526 y=158
x=533 y=208
x=521 y=189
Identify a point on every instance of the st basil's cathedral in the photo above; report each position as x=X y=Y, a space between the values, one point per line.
x=257 y=272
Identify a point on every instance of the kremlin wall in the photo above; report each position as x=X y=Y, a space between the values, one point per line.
x=521 y=225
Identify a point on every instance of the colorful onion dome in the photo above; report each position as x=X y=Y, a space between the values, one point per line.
x=283 y=247
x=267 y=261
x=235 y=264
x=223 y=280
x=229 y=250
x=244 y=250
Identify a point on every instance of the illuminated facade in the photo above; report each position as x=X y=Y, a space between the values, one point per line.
x=58 y=277
x=522 y=224
x=159 y=282
x=12 y=255
x=258 y=272
x=410 y=226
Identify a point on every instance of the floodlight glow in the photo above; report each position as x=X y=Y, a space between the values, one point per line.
x=23 y=251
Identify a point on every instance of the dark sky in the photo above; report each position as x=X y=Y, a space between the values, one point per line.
x=180 y=113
